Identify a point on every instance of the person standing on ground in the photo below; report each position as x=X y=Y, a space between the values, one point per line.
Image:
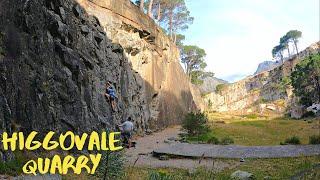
x=127 y=129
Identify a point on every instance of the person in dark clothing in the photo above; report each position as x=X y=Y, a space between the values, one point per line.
x=111 y=95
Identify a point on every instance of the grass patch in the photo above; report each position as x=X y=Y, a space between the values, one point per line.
x=281 y=168
x=166 y=174
x=259 y=131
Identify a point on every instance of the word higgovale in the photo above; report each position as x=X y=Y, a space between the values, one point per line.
x=102 y=142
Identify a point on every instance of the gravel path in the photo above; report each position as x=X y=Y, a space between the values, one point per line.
x=220 y=151
x=141 y=156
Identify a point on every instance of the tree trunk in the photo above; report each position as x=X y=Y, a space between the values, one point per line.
x=288 y=52
x=150 y=9
x=188 y=70
x=142 y=5
x=281 y=57
x=171 y=23
x=175 y=38
x=159 y=12
x=296 y=46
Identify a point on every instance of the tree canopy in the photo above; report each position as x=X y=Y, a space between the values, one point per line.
x=193 y=59
x=174 y=17
x=291 y=36
x=306 y=80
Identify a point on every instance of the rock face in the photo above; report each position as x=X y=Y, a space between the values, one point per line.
x=56 y=56
x=210 y=84
x=266 y=66
x=264 y=91
x=241 y=175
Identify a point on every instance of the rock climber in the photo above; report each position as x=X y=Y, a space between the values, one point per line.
x=111 y=95
x=126 y=129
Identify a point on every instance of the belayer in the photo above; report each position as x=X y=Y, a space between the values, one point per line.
x=111 y=95
x=126 y=129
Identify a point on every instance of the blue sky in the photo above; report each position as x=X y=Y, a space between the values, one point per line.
x=239 y=34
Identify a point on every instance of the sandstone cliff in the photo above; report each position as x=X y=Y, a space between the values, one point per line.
x=56 y=56
x=266 y=90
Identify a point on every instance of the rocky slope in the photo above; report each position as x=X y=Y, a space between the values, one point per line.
x=56 y=56
x=210 y=84
x=264 y=91
x=266 y=66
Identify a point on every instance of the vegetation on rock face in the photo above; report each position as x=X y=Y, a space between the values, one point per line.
x=306 y=80
x=220 y=88
x=195 y=123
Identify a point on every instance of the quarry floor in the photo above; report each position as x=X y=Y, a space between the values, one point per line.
x=194 y=155
x=141 y=155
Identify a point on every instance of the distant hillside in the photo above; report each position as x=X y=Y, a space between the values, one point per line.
x=262 y=92
x=210 y=84
x=266 y=66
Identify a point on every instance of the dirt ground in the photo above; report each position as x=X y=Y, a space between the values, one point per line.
x=141 y=155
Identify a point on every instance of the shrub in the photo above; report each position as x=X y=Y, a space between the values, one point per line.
x=155 y=175
x=213 y=140
x=14 y=166
x=251 y=116
x=195 y=123
x=220 y=88
x=315 y=139
x=111 y=166
x=303 y=81
x=308 y=114
x=293 y=140
x=227 y=141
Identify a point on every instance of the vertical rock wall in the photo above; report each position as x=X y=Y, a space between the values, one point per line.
x=152 y=55
x=56 y=56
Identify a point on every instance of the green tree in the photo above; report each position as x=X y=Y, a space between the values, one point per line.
x=284 y=42
x=306 y=80
x=277 y=52
x=294 y=36
x=193 y=59
x=180 y=39
x=175 y=16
